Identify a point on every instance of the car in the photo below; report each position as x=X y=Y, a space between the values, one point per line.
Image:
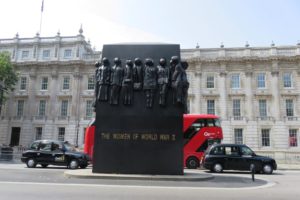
x=219 y=157
x=52 y=152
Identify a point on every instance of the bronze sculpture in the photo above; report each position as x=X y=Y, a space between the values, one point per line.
x=138 y=74
x=128 y=83
x=103 y=79
x=116 y=78
x=150 y=81
x=163 y=80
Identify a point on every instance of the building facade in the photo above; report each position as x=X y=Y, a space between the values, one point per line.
x=255 y=91
x=53 y=98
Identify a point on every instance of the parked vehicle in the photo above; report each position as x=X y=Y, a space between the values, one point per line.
x=199 y=132
x=51 y=152
x=221 y=157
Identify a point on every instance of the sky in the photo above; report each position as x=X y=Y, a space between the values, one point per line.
x=186 y=22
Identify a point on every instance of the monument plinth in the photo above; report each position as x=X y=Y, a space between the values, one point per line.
x=139 y=110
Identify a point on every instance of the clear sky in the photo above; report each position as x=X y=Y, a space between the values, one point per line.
x=187 y=22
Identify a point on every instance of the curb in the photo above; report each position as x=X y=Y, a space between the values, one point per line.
x=87 y=174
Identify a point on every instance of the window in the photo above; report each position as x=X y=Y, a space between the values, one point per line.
x=64 y=108
x=45 y=146
x=293 y=138
x=91 y=83
x=89 y=108
x=61 y=134
x=287 y=80
x=261 y=80
x=246 y=151
x=235 y=81
x=262 y=105
x=211 y=107
x=35 y=145
x=236 y=107
x=238 y=136
x=289 y=107
x=42 y=108
x=68 y=53
x=25 y=54
x=232 y=151
x=46 y=53
x=210 y=81
x=38 y=133
x=20 y=108
x=23 y=82
x=44 y=85
x=265 y=137
x=66 y=83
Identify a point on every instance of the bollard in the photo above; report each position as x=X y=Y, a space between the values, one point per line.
x=252 y=169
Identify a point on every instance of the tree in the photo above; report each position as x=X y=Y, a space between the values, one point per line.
x=8 y=77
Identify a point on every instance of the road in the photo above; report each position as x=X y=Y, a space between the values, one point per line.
x=19 y=182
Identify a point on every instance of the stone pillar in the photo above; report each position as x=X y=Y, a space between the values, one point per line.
x=75 y=102
x=32 y=88
x=223 y=92
x=249 y=93
x=198 y=92
x=275 y=90
x=53 y=109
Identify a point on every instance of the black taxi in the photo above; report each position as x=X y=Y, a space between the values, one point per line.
x=219 y=157
x=52 y=152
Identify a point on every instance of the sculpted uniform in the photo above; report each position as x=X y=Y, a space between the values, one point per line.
x=116 y=79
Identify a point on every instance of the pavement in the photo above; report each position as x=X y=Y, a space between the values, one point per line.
x=188 y=176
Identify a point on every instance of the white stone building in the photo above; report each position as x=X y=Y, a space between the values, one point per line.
x=54 y=95
x=255 y=91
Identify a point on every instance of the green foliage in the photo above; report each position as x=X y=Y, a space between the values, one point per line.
x=8 y=76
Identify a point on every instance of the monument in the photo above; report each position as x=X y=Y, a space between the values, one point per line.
x=140 y=101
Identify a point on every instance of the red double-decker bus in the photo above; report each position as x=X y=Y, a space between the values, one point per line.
x=200 y=131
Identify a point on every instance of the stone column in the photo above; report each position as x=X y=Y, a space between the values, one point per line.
x=223 y=92
x=32 y=88
x=198 y=92
x=275 y=90
x=249 y=94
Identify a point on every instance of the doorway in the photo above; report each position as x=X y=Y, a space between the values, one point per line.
x=15 y=136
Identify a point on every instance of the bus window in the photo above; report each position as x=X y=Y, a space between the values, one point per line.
x=210 y=122
x=217 y=122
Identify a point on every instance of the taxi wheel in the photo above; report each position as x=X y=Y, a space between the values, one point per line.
x=192 y=163
x=267 y=169
x=73 y=164
x=31 y=163
x=44 y=165
x=218 y=168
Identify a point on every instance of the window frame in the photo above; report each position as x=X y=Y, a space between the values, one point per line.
x=38 y=133
x=262 y=110
x=61 y=134
x=265 y=138
x=64 y=108
x=68 y=53
x=23 y=83
x=238 y=139
x=46 y=53
x=42 y=108
x=208 y=104
x=66 y=84
x=210 y=84
x=259 y=81
x=20 y=107
x=236 y=112
x=91 y=82
x=289 y=82
x=44 y=84
x=289 y=108
x=293 y=133
x=235 y=83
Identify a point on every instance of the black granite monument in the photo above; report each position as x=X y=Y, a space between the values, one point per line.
x=139 y=128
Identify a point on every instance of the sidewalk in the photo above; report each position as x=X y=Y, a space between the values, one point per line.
x=288 y=166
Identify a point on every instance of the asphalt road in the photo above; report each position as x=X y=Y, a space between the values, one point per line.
x=19 y=182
